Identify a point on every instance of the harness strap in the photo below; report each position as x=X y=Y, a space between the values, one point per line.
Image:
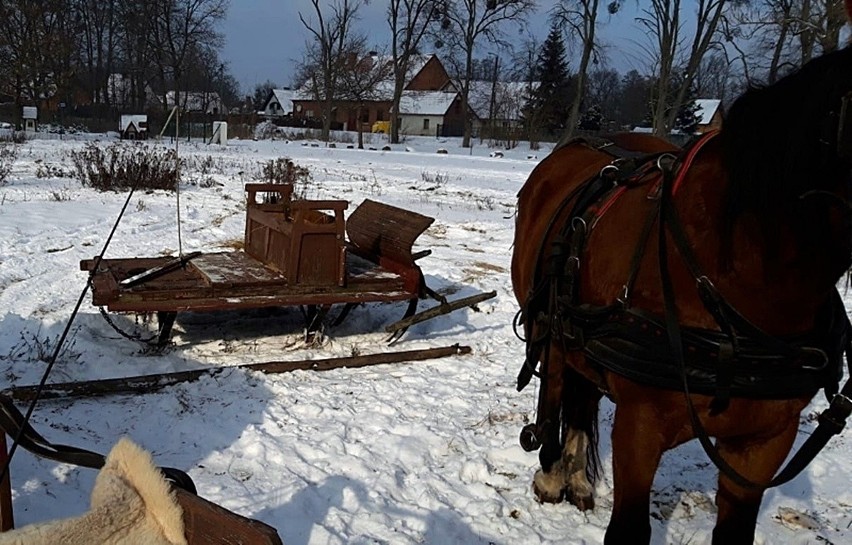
x=831 y=421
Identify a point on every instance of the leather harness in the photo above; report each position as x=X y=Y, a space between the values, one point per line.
x=737 y=360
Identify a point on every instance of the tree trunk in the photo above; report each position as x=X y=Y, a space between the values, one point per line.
x=588 y=47
x=468 y=74
x=399 y=82
x=360 y=126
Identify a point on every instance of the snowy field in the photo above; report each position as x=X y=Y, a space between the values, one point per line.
x=399 y=454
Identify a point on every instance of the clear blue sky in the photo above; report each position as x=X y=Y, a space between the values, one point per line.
x=264 y=39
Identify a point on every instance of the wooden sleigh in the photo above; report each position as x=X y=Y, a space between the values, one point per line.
x=297 y=252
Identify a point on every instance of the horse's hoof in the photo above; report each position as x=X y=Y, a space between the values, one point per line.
x=544 y=496
x=583 y=503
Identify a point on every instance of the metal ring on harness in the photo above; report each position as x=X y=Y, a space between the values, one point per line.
x=669 y=156
x=608 y=168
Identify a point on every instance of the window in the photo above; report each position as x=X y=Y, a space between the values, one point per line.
x=426 y=124
x=309 y=113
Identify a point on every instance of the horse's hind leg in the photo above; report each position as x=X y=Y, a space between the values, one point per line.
x=572 y=476
x=757 y=460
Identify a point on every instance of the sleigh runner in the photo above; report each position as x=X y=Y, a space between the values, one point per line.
x=297 y=252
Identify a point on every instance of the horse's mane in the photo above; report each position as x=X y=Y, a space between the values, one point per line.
x=777 y=142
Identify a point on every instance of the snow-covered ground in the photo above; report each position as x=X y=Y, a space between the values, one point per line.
x=410 y=453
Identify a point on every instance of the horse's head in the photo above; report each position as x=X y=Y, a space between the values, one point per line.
x=791 y=137
x=787 y=153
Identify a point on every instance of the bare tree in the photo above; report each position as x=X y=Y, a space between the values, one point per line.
x=99 y=43
x=603 y=90
x=364 y=79
x=409 y=21
x=714 y=77
x=181 y=29
x=136 y=52
x=581 y=17
x=326 y=53
x=464 y=24
x=662 y=20
x=37 y=42
x=788 y=32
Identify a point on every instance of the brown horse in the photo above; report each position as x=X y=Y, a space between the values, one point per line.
x=640 y=275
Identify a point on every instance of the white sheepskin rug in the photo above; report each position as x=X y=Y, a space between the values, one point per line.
x=131 y=505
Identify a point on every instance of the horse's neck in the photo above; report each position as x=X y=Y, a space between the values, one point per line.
x=773 y=272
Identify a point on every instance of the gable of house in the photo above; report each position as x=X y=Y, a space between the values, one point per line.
x=429 y=74
x=710 y=113
x=280 y=102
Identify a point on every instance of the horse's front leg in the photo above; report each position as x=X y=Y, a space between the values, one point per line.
x=571 y=475
x=756 y=459
x=637 y=446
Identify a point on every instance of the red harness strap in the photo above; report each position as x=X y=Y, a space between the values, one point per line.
x=687 y=161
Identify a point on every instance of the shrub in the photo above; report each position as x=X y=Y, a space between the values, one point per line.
x=8 y=152
x=284 y=171
x=120 y=167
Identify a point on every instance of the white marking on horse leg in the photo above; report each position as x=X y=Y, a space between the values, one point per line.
x=578 y=489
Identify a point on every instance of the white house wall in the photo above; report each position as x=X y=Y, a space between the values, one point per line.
x=413 y=124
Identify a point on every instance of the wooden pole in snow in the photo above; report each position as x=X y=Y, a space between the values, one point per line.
x=150 y=383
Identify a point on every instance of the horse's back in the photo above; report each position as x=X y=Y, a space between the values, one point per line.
x=542 y=197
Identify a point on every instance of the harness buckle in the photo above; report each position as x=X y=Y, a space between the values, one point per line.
x=808 y=350
x=834 y=417
x=624 y=296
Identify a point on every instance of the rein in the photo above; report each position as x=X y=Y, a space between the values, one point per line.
x=831 y=421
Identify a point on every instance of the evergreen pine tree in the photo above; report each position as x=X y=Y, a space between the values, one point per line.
x=550 y=102
x=687 y=117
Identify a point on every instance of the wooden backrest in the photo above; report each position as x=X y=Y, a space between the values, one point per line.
x=209 y=524
x=302 y=239
x=381 y=230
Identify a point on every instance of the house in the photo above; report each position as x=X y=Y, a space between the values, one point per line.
x=133 y=127
x=498 y=105
x=279 y=103
x=427 y=74
x=430 y=113
x=29 y=115
x=710 y=112
x=121 y=93
x=207 y=102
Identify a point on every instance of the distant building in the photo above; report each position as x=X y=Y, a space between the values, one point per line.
x=499 y=104
x=121 y=93
x=430 y=113
x=279 y=103
x=207 y=102
x=427 y=74
x=29 y=115
x=133 y=127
